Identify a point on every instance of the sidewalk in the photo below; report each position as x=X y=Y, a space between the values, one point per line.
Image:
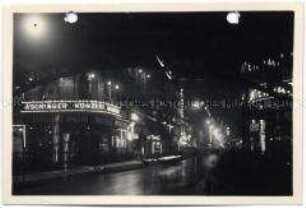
x=107 y=168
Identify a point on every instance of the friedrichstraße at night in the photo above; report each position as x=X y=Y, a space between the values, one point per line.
x=180 y=103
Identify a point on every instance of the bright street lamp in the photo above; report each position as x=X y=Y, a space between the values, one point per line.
x=233 y=18
x=71 y=17
x=35 y=26
x=91 y=76
x=196 y=104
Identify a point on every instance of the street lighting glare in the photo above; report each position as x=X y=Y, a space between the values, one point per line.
x=134 y=117
x=35 y=26
x=211 y=127
x=233 y=18
x=91 y=76
x=196 y=104
x=71 y=17
x=109 y=82
x=117 y=87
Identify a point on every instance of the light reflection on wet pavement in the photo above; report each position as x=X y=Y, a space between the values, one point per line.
x=210 y=174
x=151 y=180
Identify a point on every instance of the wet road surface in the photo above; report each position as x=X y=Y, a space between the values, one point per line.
x=228 y=174
x=154 y=179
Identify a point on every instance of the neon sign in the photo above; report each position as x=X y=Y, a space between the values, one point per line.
x=69 y=106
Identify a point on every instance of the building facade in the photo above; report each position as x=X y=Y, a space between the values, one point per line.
x=78 y=120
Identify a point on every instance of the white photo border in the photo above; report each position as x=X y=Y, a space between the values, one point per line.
x=8 y=12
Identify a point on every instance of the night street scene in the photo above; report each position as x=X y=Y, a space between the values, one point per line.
x=153 y=103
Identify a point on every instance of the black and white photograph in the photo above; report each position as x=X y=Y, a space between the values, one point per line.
x=153 y=103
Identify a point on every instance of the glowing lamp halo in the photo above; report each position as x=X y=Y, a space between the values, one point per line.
x=35 y=26
x=233 y=17
x=71 y=17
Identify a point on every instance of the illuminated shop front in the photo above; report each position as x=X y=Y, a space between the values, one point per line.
x=93 y=129
x=78 y=120
x=269 y=121
x=73 y=120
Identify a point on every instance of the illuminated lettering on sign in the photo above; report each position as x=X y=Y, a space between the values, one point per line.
x=70 y=106
x=112 y=109
x=44 y=106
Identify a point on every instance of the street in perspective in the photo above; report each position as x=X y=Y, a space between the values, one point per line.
x=153 y=103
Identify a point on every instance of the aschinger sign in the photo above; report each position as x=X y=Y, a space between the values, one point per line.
x=69 y=106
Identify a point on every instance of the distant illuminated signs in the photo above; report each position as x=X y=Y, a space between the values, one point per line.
x=262 y=135
x=70 y=106
x=257 y=95
x=254 y=127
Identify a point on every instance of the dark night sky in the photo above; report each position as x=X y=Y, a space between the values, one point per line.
x=192 y=44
